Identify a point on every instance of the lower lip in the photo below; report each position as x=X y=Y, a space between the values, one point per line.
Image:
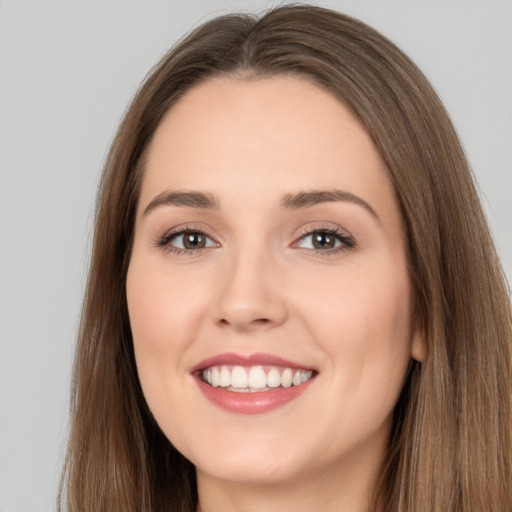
x=251 y=403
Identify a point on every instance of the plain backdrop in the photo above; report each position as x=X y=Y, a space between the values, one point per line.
x=67 y=72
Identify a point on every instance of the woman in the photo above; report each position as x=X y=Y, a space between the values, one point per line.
x=294 y=300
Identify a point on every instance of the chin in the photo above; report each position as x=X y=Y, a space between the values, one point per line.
x=249 y=461
x=253 y=472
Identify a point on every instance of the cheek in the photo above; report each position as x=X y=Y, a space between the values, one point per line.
x=147 y=304
x=362 y=319
x=161 y=305
x=161 y=309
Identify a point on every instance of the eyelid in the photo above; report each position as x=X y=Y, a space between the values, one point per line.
x=347 y=241
x=164 y=241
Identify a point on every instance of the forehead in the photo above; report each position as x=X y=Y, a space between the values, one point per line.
x=263 y=137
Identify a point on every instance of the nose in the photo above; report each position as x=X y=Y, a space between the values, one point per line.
x=251 y=295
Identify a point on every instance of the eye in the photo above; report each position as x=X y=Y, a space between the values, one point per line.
x=325 y=240
x=186 y=240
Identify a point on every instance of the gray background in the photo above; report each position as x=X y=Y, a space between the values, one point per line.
x=67 y=72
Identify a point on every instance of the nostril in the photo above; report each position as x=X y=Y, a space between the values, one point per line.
x=261 y=321
x=243 y=325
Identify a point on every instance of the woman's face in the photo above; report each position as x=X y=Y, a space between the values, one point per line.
x=268 y=290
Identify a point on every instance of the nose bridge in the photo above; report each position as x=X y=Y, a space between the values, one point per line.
x=250 y=295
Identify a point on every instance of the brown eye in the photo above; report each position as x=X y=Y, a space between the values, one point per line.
x=194 y=240
x=187 y=240
x=326 y=240
x=323 y=240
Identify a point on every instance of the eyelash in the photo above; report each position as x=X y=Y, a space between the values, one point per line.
x=165 y=241
x=347 y=242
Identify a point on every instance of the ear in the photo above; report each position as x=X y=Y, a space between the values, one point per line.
x=419 y=343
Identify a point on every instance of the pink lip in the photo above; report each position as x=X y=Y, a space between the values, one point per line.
x=248 y=403
x=258 y=359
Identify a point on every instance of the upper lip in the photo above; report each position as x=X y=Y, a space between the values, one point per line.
x=256 y=359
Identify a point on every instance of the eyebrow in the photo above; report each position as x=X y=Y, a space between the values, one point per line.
x=307 y=199
x=193 y=199
x=299 y=200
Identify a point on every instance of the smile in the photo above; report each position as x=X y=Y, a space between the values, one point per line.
x=240 y=379
x=251 y=384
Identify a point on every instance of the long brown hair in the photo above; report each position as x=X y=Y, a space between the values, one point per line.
x=451 y=447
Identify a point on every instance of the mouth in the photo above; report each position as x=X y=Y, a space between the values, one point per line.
x=254 y=379
x=251 y=384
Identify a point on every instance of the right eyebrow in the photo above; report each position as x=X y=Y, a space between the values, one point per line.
x=192 y=199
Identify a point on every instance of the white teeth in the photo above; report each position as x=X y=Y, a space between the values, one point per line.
x=253 y=379
x=273 y=378
x=215 y=377
x=239 y=378
x=257 y=377
x=287 y=378
x=225 y=377
x=239 y=390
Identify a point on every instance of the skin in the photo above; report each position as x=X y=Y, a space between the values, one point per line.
x=259 y=285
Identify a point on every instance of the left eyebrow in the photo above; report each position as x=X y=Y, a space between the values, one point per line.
x=307 y=199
